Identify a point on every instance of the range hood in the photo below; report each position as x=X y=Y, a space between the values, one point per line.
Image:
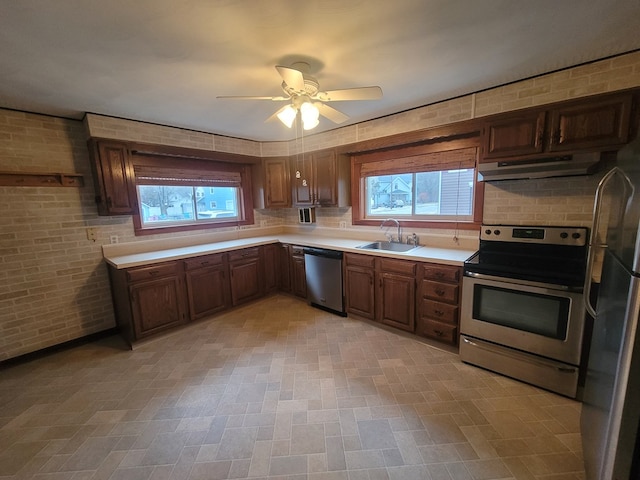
x=561 y=166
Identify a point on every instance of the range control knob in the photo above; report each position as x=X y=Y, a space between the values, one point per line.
x=564 y=235
x=487 y=231
x=497 y=232
x=575 y=235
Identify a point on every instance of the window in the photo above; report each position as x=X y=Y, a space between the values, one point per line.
x=179 y=194
x=436 y=195
x=424 y=186
x=171 y=204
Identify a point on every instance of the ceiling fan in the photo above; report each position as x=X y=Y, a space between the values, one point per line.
x=303 y=93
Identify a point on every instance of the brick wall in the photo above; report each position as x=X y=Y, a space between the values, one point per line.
x=53 y=283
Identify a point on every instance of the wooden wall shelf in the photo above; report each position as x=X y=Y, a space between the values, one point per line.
x=22 y=179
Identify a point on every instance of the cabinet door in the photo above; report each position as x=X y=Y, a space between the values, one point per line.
x=298 y=276
x=114 y=179
x=207 y=291
x=511 y=136
x=284 y=260
x=325 y=178
x=359 y=291
x=397 y=297
x=271 y=265
x=302 y=181
x=157 y=305
x=245 y=280
x=277 y=184
x=589 y=125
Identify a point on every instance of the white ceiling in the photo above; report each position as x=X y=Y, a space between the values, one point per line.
x=165 y=61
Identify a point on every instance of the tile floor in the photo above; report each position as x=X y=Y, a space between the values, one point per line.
x=278 y=389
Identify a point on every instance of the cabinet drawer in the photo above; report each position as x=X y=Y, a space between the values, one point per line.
x=440 y=331
x=439 y=311
x=153 y=271
x=204 y=261
x=397 y=266
x=359 y=260
x=442 y=292
x=441 y=273
x=245 y=253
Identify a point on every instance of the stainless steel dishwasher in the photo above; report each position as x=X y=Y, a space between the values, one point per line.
x=323 y=270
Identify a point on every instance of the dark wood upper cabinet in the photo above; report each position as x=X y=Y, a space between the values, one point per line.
x=277 y=185
x=521 y=134
x=113 y=177
x=321 y=178
x=588 y=124
x=602 y=123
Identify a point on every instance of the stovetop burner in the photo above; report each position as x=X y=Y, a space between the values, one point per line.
x=552 y=255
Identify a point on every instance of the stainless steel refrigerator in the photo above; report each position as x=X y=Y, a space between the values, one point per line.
x=611 y=399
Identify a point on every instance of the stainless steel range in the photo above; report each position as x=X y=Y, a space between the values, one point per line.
x=522 y=304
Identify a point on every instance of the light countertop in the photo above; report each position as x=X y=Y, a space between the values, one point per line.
x=447 y=256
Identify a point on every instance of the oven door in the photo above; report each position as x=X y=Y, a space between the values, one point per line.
x=533 y=318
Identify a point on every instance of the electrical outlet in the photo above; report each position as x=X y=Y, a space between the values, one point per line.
x=91 y=234
x=114 y=239
x=343 y=225
x=263 y=223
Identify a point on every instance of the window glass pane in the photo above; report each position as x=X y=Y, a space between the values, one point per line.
x=174 y=205
x=439 y=194
x=218 y=202
x=387 y=194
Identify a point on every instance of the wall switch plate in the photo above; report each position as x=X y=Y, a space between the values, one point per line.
x=263 y=223
x=91 y=234
x=113 y=239
x=343 y=225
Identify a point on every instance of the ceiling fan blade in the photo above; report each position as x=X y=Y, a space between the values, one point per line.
x=292 y=77
x=361 y=93
x=331 y=113
x=246 y=97
x=275 y=114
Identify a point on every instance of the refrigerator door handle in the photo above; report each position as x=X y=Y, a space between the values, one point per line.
x=593 y=238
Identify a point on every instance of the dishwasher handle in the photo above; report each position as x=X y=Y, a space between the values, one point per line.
x=321 y=252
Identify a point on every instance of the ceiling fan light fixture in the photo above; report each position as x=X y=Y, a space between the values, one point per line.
x=310 y=114
x=287 y=115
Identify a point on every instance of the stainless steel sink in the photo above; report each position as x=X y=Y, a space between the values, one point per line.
x=387 y=246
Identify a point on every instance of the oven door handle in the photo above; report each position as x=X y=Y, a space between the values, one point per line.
x=549 y=286
x=593 y=237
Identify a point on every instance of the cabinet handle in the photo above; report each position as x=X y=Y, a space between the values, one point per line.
x=153 y=273
x=438 y=332
x=204 y=264
x=540 y=138
x=438 y=312
x=439 y=275
x=439 y=292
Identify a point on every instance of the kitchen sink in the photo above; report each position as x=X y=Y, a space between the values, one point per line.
x=387 y=246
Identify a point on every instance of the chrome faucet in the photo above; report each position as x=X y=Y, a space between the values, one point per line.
x=389 y=236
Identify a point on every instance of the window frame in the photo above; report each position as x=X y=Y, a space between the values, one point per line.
x=177 y=164
x=403 y=156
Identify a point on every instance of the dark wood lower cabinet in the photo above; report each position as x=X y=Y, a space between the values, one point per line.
x=298 y=272
x=360 y=285
x=148 y=299
x=396 y=293
x=417 y=297
x=438 y=302
x=244 y=273
x=207 y=285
